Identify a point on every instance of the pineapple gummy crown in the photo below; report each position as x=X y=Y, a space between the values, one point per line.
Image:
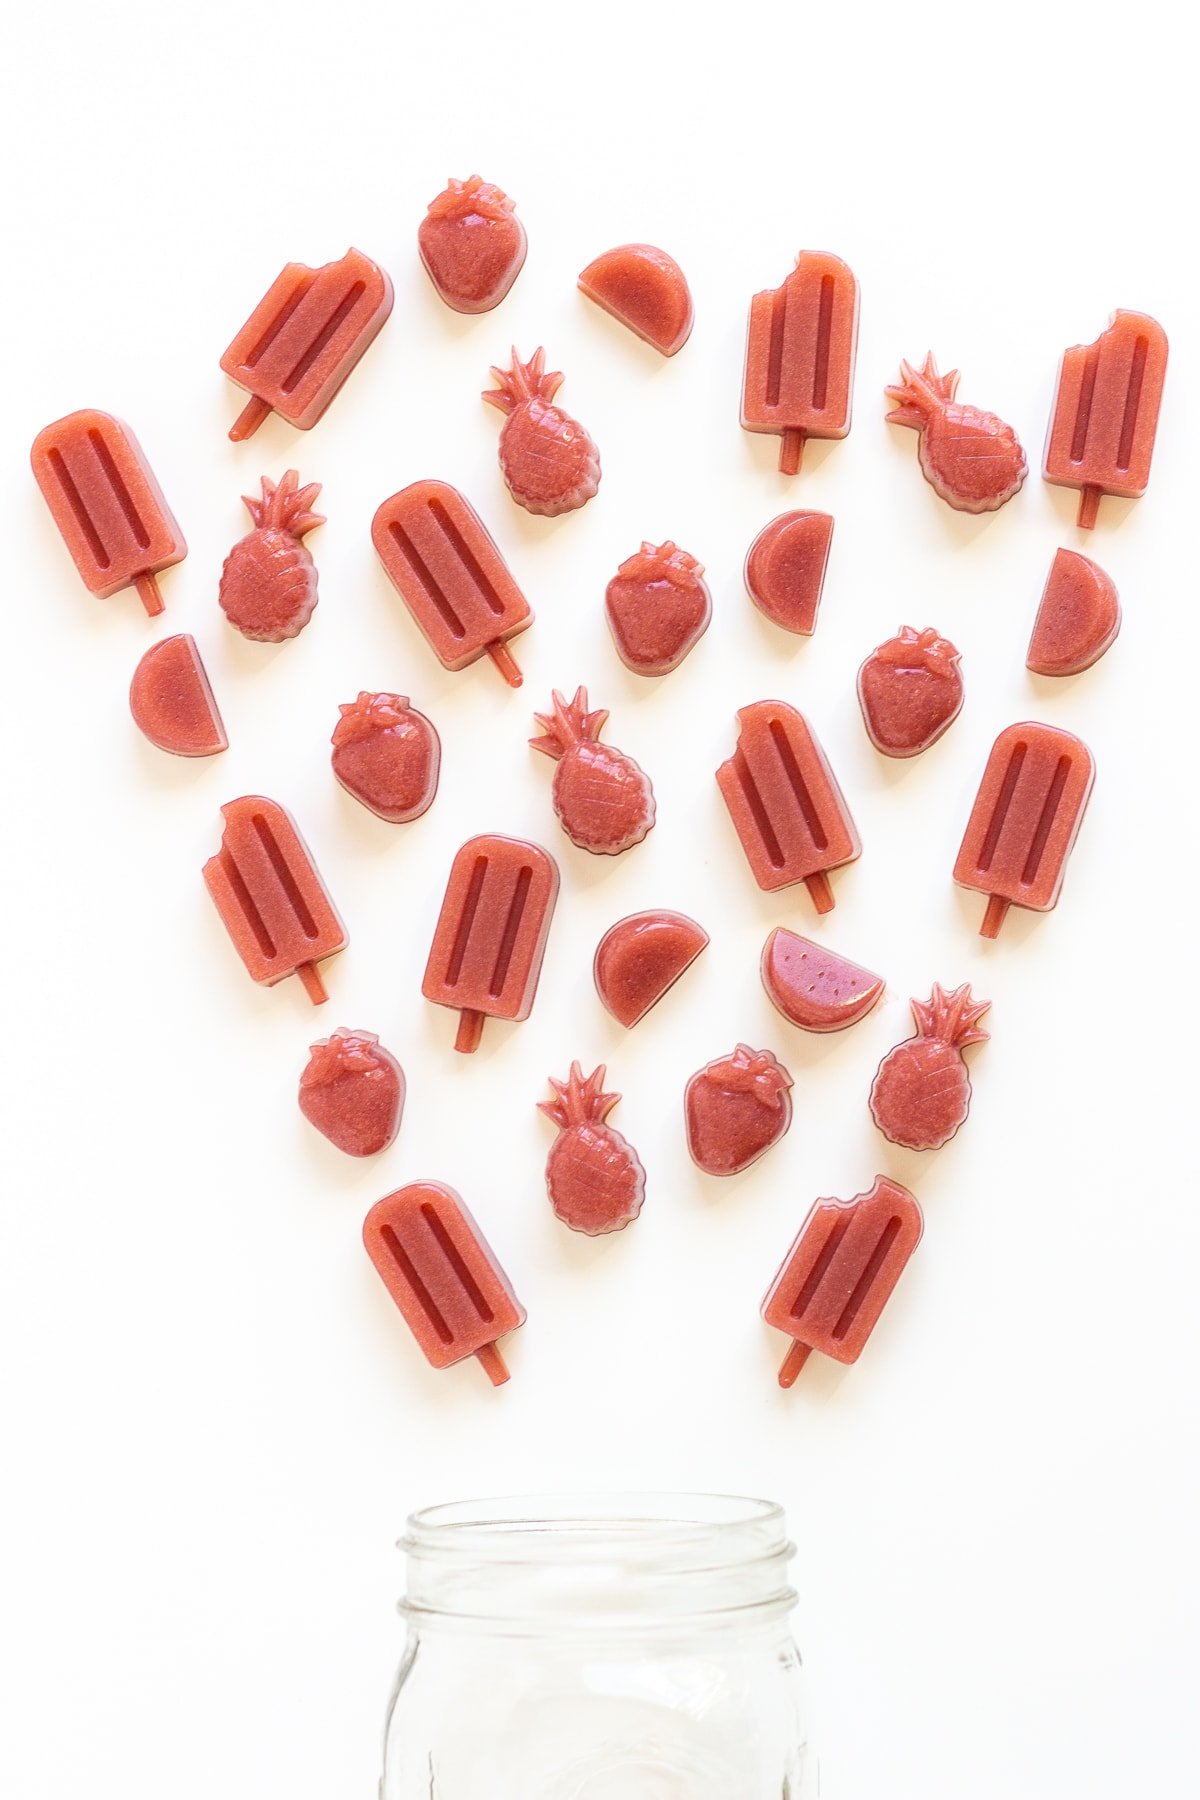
x=286 y=506
x=579 y=1100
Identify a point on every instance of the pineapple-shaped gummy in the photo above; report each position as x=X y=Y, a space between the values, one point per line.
x=922 y=1092
x=604 y=802
x=269 y=582
x=971 y=458
x=594 y=1178
x=548 y=460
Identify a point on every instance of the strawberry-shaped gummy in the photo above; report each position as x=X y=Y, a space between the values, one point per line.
x=269 y=582
x=594 y=1177
x=547 y=458
x=922 y=1092
x=472 y=244
x=604 y=802
x=387 y=755
x=735 y=1109
x=971 y=458
x=658 y=607
x=352 y=1090
x=910 y=691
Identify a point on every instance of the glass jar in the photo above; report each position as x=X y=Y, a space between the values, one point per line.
x=623 y=1648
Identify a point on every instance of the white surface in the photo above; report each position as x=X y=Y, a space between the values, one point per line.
x=214 y=1422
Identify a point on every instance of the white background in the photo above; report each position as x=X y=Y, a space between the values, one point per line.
x=213 y=1420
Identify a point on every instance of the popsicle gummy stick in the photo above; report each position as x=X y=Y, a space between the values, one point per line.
x=1078 y=619
x=646 y=290
x=273 y=903
x=491 y=933
x=1025 y=820
x=443 y=1275
x=444 y=564
x=800 y=354
x=785 y=803
x=304 y=337
x=840 y=1272
x=106 y=503
x=172 y=701
x=1102 y=429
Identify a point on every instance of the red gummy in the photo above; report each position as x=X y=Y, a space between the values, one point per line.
x=910 y=691
x=271 y=899
x=603 y=800
x=352 y=1090
x=800 y=352
x=785 y=803
x=785 y=569
x=304 y=337
x=387 y=755
x=104 y=498
x=812 y=987
x=446 y=567
x=472 y=244
x=970 y=458
x=1079 y=617
x=1105 y=418
x=172 y=701
x=840 y=1274
x=640 y=957
x=736 y=1108
x=549 y=462
x=922 y=1092
x=646 y=290
x=269 y=581
x=658 y=607
x=443 y=1275
x=1025 y=820
x=594 y=1177
x=490 y=938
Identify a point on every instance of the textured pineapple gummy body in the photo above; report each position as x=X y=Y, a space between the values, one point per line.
x=840 y=1272
x=785 y=803
x=172 y=700
x=269 y=582
x=444 y=564
x=304 y=337
x=922 y=1092
x=1102 y=429
x=594 y=1176
x=1025 y=820
x=273 y=903
x=443 y=1275
x=800 y=352
x=106 y=503
x=603 y=800
x=491 y=933
x=970 y=458
x=549 y=463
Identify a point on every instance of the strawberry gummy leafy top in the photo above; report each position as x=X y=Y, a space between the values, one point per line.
x=911 y=649
x=459 y=199
x=662 y=562
x=345 y=1053
x=752 y=1071
x=368 y=714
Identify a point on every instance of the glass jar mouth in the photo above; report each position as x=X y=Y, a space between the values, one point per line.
x=601 y=1561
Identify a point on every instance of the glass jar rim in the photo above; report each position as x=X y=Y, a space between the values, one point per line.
x=598 y=1561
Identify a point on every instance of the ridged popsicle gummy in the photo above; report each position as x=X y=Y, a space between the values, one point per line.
x=271 y=899
x=304 y=337
x=491 y=934
x=1025 y=820
x=785 y=803
x=443 y=1275
x=840 y=1272
x=800 y=353
x=104 y=498
x=1102 y=429
x=444 y=564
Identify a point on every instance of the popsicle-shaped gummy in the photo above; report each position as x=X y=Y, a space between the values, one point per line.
x=304 y=337
x=785 y=803
x=1025 y=820
x=839 y=1273
x=106 y=503
x=441 y=1272
x=800 y=353
x=491 y=933
x=1102 y=429
x=444 y=564
x=273 y=903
